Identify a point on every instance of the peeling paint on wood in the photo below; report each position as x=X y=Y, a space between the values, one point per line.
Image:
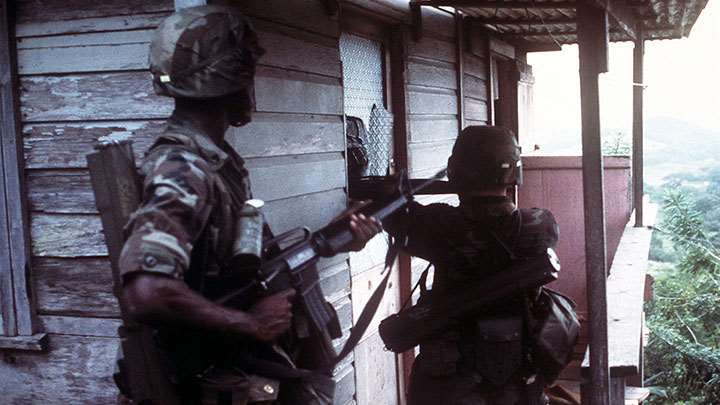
x=69 y=288
x=64 y=145
x=26 y=343
x=128 y=50
x=55 y=10
x=74 y=370
x=70 y=192
x=67 y=192
x=99 y=58
x=92 y=97
x=87 y=25
x=74 y=326
x=74 y=286
x=63 y=235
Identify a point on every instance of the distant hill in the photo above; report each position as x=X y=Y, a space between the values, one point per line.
x=674 y=146
x=671 y=146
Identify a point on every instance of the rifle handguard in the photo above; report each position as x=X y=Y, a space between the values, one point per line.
x=430 y=318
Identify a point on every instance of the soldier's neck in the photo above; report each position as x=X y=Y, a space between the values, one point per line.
x=210 y=122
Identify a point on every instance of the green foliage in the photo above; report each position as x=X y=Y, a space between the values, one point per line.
x=700 y=192
x=683 y=355
x=616 y=144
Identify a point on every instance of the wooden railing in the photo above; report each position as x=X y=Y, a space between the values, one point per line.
x=625 y=289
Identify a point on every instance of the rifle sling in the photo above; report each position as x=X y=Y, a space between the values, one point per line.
x=368 y=313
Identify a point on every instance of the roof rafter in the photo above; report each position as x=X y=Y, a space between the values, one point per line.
x=496 y=4
x=525 y=21
x=624 y=15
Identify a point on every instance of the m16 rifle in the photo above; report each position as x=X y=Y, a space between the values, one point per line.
x=294 y=267
x=117 y=187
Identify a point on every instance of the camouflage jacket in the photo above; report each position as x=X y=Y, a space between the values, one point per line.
x=464 y=250
x=192 y=188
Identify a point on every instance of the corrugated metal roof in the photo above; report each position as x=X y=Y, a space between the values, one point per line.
x=554 y=21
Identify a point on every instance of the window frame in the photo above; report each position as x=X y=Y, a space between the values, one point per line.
x=19 y=326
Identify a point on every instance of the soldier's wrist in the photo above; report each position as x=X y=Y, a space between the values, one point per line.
x=243 y=324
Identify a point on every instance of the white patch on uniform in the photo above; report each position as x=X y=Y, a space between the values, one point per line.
x=165 y=186
x=162 y=159
x=169 y=242
x=192 y=158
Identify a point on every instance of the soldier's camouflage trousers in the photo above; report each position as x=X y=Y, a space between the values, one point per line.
x=467 y=388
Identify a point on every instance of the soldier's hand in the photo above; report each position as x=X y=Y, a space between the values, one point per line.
x=363 y=228
x=272 y=315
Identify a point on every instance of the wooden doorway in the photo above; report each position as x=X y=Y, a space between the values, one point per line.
x=365 y=50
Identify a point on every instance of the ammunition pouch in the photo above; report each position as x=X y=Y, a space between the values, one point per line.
x=440 y=356
x=555 y=331
x=235 y=387
x=498 y=348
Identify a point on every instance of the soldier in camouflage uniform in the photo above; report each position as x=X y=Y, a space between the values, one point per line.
x=175 y=259
x=483 y=360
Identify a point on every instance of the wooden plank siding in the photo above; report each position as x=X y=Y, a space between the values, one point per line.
x=83 y=68
x=432 y=94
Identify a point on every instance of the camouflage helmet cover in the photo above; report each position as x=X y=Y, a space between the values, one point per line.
x=204 y=52
x=485 y=155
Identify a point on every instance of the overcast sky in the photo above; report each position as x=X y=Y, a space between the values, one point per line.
x=682 y=78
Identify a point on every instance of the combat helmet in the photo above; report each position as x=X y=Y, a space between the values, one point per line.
x=204 y=52
x=485 y=155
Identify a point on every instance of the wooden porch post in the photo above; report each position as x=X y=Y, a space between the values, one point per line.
x=637 y=158
x=593 y=45
x=398 y=83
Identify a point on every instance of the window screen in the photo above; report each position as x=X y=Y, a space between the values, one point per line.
x=364 y=91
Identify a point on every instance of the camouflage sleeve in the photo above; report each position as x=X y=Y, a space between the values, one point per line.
x=539 y=231
x=174 y=211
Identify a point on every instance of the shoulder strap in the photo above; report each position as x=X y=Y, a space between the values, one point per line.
x=509 y=249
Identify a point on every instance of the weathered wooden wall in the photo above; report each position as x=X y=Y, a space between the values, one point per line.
x=83 y=68
x=432 y=94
